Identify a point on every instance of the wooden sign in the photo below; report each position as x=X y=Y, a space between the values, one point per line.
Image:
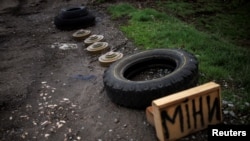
x=186 y=112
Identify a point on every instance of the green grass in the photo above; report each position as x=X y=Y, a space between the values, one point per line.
x=121 y=10
x=219 y=59
x=227 y=19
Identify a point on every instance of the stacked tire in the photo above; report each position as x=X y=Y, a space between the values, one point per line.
x=74 y=18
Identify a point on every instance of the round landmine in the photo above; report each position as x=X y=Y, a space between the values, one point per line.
x=93 y=38
x=97 y=47
x=109 y=58
x=81 y=34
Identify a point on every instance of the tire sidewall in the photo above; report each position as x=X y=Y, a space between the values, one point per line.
x=139 y=94
x=180 y=57
x=73 y=12
x=74 y=23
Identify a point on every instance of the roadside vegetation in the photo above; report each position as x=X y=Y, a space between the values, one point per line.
x=217 y=32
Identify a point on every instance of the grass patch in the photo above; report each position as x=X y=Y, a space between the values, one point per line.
x=227 y=19
x=121 y=10
x=219 y=59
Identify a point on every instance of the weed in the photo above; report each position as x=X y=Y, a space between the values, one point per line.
x=120 y=10
x=219 y=58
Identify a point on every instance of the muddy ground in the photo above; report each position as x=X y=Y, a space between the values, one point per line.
x=42 y=96
x=52 y=94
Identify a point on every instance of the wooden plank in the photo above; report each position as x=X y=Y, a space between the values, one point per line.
x=150 y=116
x=159 y=127
x=186 y=112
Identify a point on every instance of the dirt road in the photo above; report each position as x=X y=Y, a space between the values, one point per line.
x=53 y=94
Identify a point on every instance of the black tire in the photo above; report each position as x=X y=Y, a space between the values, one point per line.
x=140 y=94
x=75 y=23
x=73 y=12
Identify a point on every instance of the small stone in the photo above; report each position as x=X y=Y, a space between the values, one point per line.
x=232 y=113
x=116 y=120
x=34 y=123
x=24 y=116
x=65 y=99
x=52 y=106
x=59 y=125
x=28 y=106
x=225 y=112
x=45 y=123
x=230 y=105
x=73 y=105
x=247 y=104
x=62 y=121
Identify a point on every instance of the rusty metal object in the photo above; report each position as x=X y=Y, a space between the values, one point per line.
x=97 y=47
x=109 y=58
x=93 y=38
x=81 y=34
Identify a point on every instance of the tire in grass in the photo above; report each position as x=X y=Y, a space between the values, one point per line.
x=124 y=86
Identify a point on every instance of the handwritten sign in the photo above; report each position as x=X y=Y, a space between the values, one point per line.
x=186 y=112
